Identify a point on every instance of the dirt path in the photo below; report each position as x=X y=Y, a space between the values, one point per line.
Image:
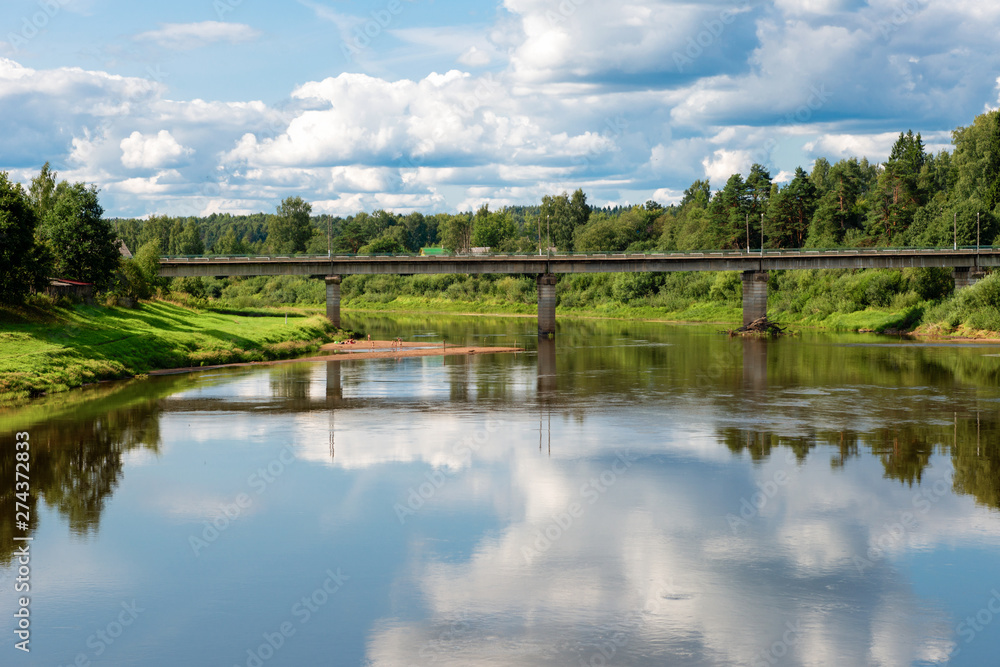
x=376 y=349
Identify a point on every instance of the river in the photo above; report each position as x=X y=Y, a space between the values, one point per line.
x=628 y=494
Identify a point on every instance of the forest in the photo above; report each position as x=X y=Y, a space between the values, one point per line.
x=915 y=198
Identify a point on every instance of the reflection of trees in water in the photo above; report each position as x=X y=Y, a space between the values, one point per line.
x=973 y=441
x=904 y=451
x=976 y=457
x=760 y=444
x=76 y=463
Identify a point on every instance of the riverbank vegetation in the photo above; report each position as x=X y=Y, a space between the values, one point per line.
x=57 y=347
x=54 y=229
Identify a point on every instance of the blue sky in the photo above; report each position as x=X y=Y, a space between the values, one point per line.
x=201 y=106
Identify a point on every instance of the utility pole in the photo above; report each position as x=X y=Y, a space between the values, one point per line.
x=748 y=232
x=761 y=234
x=539 y=221
x=956 y=231
x=329 y=240
x=548 y=242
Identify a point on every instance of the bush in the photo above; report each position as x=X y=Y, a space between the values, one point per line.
x=727 y=286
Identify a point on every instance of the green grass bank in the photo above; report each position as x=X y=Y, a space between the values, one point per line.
x=52 y=349
x=917 y=300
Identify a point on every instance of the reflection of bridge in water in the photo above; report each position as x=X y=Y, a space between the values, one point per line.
x=967 y=265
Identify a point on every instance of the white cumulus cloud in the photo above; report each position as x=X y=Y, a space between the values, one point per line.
x=141 y=151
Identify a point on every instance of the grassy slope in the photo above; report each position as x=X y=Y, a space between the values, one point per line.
x=46 y=351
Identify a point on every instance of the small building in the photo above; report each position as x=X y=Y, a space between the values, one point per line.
x=74 y=289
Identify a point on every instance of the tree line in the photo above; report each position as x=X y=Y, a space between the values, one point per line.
x=57 y=229
x=914 y=198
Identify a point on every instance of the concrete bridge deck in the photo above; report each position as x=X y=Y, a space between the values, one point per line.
x=341 y=265
x=967 y=263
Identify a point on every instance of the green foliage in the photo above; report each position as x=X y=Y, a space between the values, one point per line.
x=628 y=287
x=23 y=263
x=976 y=307
x=139 y=277
x=790 y=213
x=290 y=229
x=456 y=233
x=81 y=241
x=42 y=192
x=560 y=216
x=494 y=230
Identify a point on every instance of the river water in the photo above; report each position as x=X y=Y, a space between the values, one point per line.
x=628 y=494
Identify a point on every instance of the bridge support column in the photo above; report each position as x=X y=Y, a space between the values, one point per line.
x=546 y=305
x=966 y=276
x=333 y=300
x=754 y=296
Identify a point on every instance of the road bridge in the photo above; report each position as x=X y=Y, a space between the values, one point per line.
x=968 y=265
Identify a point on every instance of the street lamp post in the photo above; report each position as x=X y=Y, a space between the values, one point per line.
x=548 y=241
x=761 y=234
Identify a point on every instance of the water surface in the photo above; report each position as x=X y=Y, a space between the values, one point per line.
x=630 y=494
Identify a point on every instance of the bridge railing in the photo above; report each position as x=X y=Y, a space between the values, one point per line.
x=766 y=252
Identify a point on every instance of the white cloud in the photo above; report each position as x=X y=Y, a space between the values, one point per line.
x=584 y=94
x=141 y=151
x=474 y=57
x=187 y=36
x=724 y=163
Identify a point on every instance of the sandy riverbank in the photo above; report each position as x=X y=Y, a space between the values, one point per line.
x=376 y=349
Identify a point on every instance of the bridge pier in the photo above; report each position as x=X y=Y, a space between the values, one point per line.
x=333 y=300
x=966 y=276
x=546 y=305
x=754 y=296
x=334 y=389
x=546 y=367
